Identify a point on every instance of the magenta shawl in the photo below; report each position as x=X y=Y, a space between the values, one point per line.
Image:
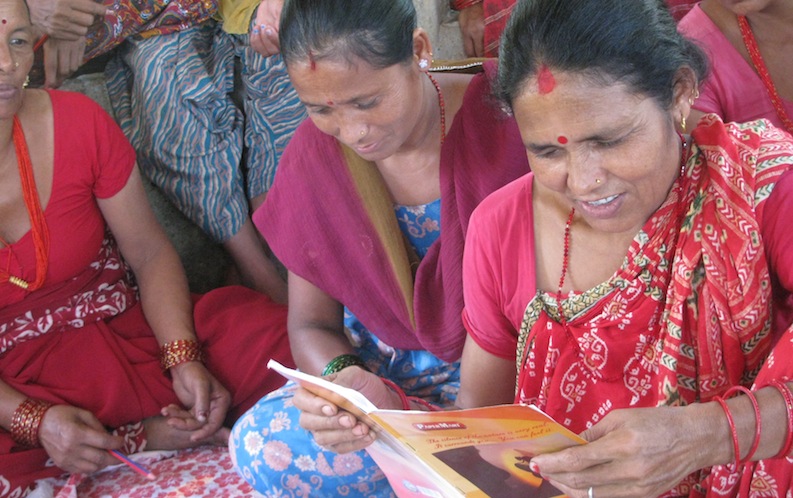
x=324 y=220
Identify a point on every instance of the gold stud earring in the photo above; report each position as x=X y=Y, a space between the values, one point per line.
x=27 y=81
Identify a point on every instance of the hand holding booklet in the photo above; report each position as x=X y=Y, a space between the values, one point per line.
x=476 y=453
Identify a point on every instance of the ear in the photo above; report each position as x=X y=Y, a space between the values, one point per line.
x=422 y=49
x=685 y=92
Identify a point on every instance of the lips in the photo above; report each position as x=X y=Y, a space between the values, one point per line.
x=7 y=91
x=367 y=149
x=603 y=208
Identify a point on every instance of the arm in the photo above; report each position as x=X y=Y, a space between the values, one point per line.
x=166 y=302
x=495 y=388
x=65 y=19
x=263 y=37
x=74 y=439
x=646 y=451
x=316 y=333
x=316 y=326
x=61 y=59
x=472 y=29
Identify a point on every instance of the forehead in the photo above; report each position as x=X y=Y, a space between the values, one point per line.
x=576 y=102
x=13 y=13
x=341 y=78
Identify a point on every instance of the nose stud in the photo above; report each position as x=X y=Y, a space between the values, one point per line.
x=598 y=181
x=363 y=132
x=16 y=64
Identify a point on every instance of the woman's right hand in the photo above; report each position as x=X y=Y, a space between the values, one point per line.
x=76 y=440
x=335 y=429
x=65 y=19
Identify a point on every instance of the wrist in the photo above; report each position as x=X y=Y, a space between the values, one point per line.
x=175 y=353
x=343 y=361
x=26 y=422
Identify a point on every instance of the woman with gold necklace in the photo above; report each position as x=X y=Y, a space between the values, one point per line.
x=92 y=360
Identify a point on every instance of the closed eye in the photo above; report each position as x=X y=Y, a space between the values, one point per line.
x=368 y=104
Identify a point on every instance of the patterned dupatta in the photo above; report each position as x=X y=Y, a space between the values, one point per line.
x=688 y=313
x=144 y=18
x=103 y=290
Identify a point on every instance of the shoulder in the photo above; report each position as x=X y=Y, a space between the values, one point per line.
x=697 y=25
x=504 y=204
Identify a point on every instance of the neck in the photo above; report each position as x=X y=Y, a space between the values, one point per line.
x=773 y=24
x=426 y=135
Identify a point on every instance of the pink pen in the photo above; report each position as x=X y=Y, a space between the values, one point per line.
x=140 y=469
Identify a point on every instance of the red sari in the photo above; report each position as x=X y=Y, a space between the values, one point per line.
x=82 y=338
x=689 y=313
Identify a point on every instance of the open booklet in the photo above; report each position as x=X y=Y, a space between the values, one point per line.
x=477 y=452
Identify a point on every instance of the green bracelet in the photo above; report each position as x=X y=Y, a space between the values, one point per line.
x=341 y=362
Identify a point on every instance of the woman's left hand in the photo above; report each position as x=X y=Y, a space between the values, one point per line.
x=263 y=36
x=635 y=452
x=204 y=396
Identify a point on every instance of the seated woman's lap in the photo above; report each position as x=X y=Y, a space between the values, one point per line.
x=274 y=454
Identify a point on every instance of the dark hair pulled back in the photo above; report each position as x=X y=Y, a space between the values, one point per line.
x=377 y=31
x=634 y=42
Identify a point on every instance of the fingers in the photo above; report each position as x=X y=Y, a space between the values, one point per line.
x=213 y=419
x=264 y=40
x=341 y=433
x=75 y=440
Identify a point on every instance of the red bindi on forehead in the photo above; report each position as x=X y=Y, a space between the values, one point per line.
x=562 y=139
x=545 y=80
x=4 y=21
x=330 y=103
x=312 y=63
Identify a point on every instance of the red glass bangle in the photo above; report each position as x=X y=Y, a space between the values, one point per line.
x=402 y=396
x=463 y=4
x=758 y=421
x=423 y=402
x=784 y=390
x=733 y=430
x=26 y=421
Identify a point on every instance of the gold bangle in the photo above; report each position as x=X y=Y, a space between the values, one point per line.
x=177 y=352
x=26 y=421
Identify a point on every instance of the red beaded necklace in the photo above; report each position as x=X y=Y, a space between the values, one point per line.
x=566 y=251
x=443 y=107
x=38 y=226
x=759 y=65
x=566 y=262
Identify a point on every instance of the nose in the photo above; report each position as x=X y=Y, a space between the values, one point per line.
x=7 y=62
x=585 y=172
x=351 y=132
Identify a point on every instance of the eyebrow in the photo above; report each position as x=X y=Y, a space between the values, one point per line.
x=607 y=136
x=342 y=102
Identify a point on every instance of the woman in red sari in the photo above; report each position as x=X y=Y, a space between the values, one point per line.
x=639 y=274
x=91 y=359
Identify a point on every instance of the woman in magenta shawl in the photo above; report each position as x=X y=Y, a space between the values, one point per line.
x=368 y=213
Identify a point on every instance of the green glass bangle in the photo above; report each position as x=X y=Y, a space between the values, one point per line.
x=343 y=361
